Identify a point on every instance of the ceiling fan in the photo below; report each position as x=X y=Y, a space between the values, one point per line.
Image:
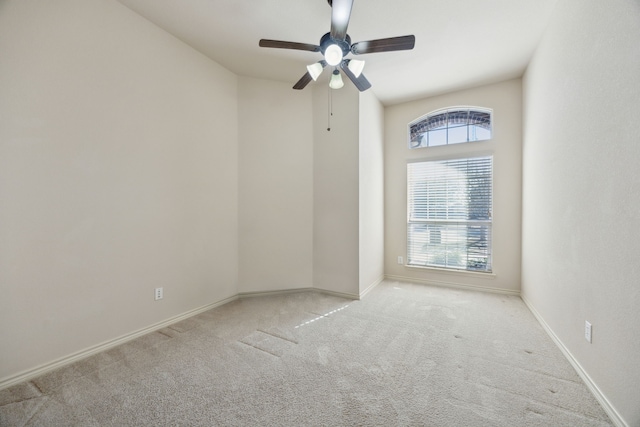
x=336 y=45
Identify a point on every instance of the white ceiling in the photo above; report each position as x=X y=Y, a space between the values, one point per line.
x=459 y=43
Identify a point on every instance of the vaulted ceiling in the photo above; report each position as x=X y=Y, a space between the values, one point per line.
x=459 y=43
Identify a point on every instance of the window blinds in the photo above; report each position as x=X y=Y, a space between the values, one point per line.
x=449 y=208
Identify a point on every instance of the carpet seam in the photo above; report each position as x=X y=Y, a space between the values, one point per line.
x=45 y=400
x=258 y=348
x=276 y=336
x=37 y=387
x=534 y=372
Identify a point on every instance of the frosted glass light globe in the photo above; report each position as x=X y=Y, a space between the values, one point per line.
x=333 y=55
x=336 y=80
x=356 y=66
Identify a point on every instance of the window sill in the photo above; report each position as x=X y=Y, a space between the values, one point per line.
x=488 y=275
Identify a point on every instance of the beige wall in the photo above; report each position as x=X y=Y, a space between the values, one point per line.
x=275 y=186
x=506 y=146
x=581 y=199
x=371 y=191
x=118 y=174
x=335 y=191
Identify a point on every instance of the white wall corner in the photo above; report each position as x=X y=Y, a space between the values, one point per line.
x=613 y=414
x=371 y=287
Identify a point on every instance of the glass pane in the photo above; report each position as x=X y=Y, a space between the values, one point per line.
x=414 y=143
x=457 y=246
x=415 y=135
x=479 y=117
x=457 y=134
x=437 y=121
x=477 y=133
x=458 y=117
x=437 y=137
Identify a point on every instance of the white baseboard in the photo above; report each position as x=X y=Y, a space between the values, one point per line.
x=276 y=292
x=82 y=354
x=454 y=285
x=295 y=291
x=615 y=417
x=371 y=287
x=338 y=294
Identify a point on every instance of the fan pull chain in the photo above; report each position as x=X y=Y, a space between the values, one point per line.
x=330 y=112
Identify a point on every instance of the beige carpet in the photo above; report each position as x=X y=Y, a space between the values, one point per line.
x=406 y=355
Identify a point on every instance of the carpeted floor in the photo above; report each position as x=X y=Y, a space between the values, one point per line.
x=406 y=355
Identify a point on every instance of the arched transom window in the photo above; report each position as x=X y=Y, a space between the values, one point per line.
x=450 y=126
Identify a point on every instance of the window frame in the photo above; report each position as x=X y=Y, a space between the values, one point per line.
x=469 y=222
x=447 y=110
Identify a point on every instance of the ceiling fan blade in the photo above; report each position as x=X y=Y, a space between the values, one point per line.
x=303 y=82
x=384 y=45
x=360 y=82
x=340 y=15
x=288 y=45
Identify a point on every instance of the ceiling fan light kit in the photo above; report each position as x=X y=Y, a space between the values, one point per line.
x=336 y=45
x=315 y=70
x=336 y=80
x=333 y=55
x=356 y=66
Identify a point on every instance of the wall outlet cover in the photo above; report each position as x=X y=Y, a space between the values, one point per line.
x=587 y=331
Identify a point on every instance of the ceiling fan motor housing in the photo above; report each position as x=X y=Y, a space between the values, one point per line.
x=344 y=45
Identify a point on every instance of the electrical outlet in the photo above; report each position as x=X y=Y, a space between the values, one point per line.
x=159 y=293
x=587 y=331
x=400 y=260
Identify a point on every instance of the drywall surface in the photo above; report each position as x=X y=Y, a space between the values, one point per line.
x=581 y=193
x=275 y=186
x=506 y=147
x=371 y=191
x=118 y=174
x=335 y=190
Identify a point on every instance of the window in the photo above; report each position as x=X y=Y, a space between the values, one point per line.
x=450 y=126
x=449 y=205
